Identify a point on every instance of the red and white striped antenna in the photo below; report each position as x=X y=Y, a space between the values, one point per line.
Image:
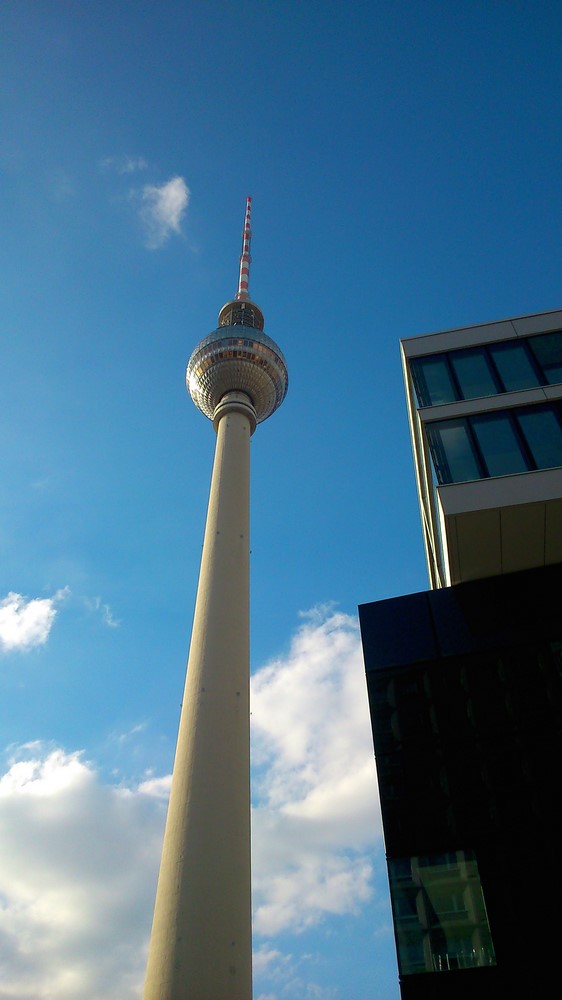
x=243 y=293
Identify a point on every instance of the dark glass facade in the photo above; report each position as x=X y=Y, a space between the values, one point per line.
x=465 y=697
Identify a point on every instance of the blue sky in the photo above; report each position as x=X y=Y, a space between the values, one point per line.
x=403 y=158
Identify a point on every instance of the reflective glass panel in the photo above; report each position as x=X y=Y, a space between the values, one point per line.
x=543 y=434
x=548 y=351
x=452 y=451
x=473 y=372
x=500 y=447
x=432 y=381
x=514 y=366
x=440 y=918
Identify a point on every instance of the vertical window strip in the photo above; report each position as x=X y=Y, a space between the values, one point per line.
x=515 y=365
x=433 y=380
x=546 y=349
x=475 y=374
x=541 y=429
x=500 y=442
x=453 y=451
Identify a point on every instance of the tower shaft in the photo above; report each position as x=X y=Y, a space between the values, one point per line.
x=200 y=947
x=201 y=942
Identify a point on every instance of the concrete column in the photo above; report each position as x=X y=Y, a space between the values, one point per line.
x=201 y=945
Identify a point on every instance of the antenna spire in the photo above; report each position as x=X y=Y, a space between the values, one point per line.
x=241 y=311
x=243 y=293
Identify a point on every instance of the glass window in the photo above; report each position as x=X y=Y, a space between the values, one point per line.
x=405 y=905
x=543 y=434
x=514 y=365
x=433 y=381
x=453 y=455
x=440 y=918
x=400 y=868
x=496 y=434
x=473 y=372
x=476 y=372
x=548 y=351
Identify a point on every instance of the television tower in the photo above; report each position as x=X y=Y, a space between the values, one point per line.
x=201 y=941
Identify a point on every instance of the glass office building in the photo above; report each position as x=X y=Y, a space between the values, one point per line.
x=485 y=411
x=464 y=680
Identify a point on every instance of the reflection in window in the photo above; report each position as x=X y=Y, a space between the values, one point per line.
x=543 y=433
x=453 y=454
x=474 y=373
x=500 y=447
x=548 y=351
x=514 y=365
x=433 y=381
x=439 y=913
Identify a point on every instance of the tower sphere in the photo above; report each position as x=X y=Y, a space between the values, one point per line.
x=237 y=358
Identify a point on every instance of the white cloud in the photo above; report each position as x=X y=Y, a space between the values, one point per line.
x=123 y=164
x=136 y=730
x=316 y=815
x=162 y=210
x=27 y=623
x=79 y=856
x=288 y=977
x=96 y=604
x=78 y=863
x=265 y=957
x=159 y=788
x=161 y=207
